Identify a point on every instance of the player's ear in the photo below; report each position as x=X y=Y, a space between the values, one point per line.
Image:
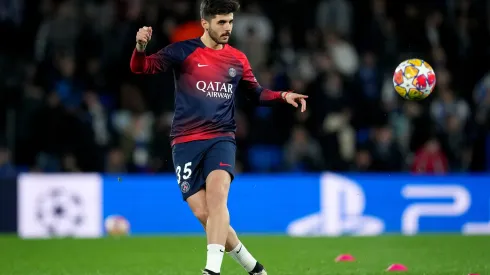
x=204 y=24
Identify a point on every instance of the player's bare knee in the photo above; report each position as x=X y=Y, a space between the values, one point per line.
x=197 y=203
x=217 y=187
x=202 y=215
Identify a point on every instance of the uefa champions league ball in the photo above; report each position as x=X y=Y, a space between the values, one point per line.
x=116 y=225
x=414 y=79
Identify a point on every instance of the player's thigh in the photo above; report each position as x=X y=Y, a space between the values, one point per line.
x=188 y=165
x=221 y=156
x=219 y=166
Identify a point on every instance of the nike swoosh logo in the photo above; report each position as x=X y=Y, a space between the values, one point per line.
x=202 y=65
x=239 y=249
x=221 y=250
x=224 y=164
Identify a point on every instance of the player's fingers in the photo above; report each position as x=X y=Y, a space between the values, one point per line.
x=303 y=105
x=146 y=31
x=295 y=95
x=142 y=38
x=294 y=104
x=141 y=34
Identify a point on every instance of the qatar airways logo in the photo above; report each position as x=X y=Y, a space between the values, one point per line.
x=215 y=89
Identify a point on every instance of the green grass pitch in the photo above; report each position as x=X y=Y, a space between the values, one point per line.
x=431 y=255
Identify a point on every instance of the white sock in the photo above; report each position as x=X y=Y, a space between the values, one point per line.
x=215 y=257
x=241 y=255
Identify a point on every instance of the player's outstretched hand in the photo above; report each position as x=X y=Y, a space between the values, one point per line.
x=294 y=99
x=143 y=36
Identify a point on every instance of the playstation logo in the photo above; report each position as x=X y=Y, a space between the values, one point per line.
x=342 y=204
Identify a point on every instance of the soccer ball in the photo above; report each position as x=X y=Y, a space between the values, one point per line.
x=414 y=79
x=116 y=225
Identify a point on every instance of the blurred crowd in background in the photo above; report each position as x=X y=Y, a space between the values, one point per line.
x=70 y=103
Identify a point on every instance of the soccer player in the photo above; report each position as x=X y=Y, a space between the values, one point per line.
x=208 y=72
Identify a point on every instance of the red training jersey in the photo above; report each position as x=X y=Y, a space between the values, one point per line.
x=206 y=81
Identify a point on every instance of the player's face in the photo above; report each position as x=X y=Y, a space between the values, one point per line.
x=220 y=28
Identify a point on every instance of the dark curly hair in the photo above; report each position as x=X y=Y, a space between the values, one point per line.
x=211 y=8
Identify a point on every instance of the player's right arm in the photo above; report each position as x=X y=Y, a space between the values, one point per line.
x=158 y=62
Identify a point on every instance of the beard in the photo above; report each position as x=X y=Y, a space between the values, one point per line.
x=219 y=38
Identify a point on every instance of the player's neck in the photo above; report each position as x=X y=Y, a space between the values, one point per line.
x=208 y=42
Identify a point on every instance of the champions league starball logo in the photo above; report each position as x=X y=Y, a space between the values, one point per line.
x=60 y=212
x=60 y=205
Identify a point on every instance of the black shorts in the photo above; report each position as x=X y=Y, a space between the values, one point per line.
x=195 y=160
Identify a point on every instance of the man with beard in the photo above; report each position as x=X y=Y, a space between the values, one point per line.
x=207 y=73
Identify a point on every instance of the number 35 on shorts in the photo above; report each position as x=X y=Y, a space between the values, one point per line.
x=183 y=173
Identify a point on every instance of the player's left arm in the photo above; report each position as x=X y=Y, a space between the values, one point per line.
x=266 y=97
